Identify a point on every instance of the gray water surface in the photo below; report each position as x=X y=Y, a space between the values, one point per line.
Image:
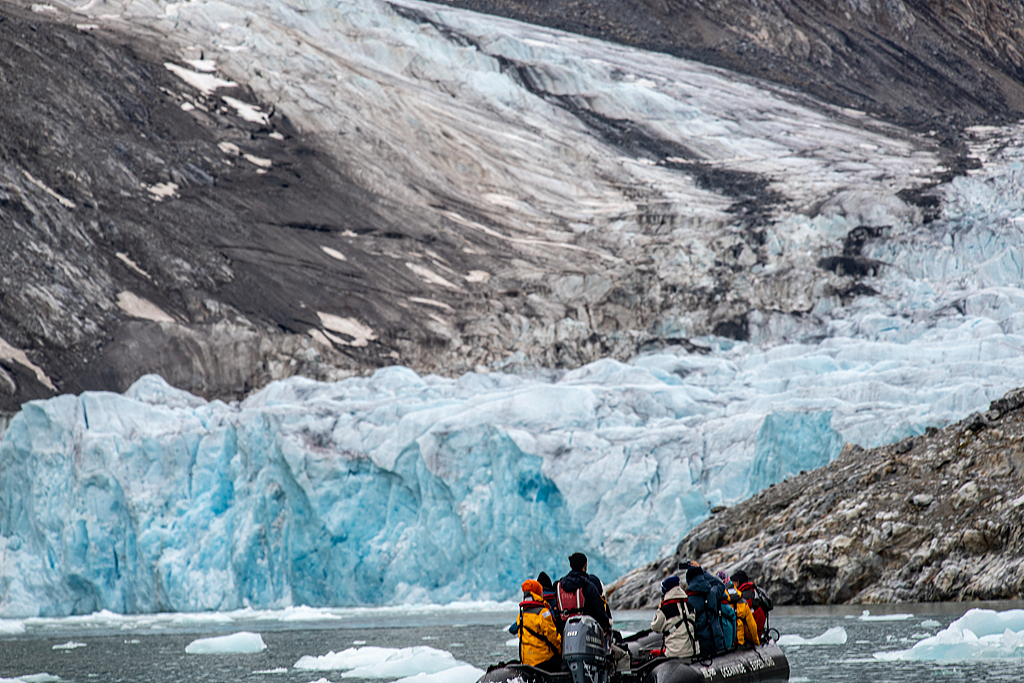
x=148 y=652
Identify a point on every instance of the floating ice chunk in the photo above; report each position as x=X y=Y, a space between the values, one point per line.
x=866 y=615
x=979 y=634
x=385 y=662
x=834 y=636
x=70 y=645
x=930 y=623
x=39 y=678
x=465 y=673
x=244 y=642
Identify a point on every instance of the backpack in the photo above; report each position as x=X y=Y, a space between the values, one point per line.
x=763 y=599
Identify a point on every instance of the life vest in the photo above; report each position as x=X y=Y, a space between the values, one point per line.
x=676 y=607
x=539 y=640
x=570 y=603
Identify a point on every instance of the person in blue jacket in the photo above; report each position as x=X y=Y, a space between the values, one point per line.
x=705 y=592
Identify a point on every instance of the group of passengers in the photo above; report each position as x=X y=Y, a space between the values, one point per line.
x=707 y=615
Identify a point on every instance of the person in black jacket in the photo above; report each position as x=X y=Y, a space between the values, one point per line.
x=579 y=594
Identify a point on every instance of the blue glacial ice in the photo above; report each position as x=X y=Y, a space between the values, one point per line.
x=398 y=487
x=978 y=634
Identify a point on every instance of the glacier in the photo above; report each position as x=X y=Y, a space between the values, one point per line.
x=402 y=488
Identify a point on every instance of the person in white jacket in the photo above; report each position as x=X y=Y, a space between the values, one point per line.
x=674 y=618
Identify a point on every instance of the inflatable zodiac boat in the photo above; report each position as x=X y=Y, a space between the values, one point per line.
x=586 y=661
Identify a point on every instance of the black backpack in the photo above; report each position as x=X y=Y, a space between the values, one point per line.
x=762 y=599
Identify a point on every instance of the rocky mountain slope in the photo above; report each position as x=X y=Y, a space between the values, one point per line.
x=938 y=65
x=930 y=518
x=224 y=240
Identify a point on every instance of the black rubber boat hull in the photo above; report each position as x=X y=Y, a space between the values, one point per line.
x=763 y=664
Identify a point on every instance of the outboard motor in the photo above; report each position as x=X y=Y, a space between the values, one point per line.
x=585 y=652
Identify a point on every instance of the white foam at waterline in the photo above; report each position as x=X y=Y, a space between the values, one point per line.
x=39 y=678
x=866 y=615
x=11 y=627
x=834 y=636
x=382 y=662
x=979 y=634
x=132 y=622
x=243 y=642
x=278 y=670
x=466 y=673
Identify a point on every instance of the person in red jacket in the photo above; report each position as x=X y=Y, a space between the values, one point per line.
x=749 y=593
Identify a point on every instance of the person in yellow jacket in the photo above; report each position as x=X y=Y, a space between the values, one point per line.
x=746 y=626
x=540 y=643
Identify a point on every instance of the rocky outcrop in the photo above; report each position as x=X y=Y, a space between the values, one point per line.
x=933 y=517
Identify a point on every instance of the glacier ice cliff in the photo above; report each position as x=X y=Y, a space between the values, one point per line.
x=400 y=487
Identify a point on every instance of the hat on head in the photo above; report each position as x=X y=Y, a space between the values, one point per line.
x=532 y=586
x=544 y=579
x=692 y=573
x=739 y=577
x=669 y=583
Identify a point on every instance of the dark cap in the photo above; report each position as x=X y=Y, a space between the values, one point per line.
x=739 y=577
x=669 y=583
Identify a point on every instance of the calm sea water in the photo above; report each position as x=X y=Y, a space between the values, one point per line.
x=111 y=649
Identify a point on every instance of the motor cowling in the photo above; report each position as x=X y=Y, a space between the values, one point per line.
x=585 y=650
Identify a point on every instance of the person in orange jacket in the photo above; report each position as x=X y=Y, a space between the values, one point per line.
x=540 y=643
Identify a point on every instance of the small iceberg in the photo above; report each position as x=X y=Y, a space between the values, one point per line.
x=866 y=615
x=979 y=634
x=834 y=636
x=421 y=664
x=243 y=642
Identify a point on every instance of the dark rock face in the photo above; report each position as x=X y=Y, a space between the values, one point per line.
x=923 y=64
x=930 y=518
x=102 y=279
